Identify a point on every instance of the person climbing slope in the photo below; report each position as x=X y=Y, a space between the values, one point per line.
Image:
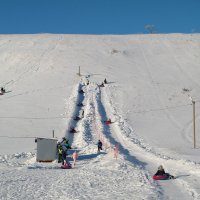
x=99 y=145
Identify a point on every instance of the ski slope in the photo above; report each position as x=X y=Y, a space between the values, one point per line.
x=150 y=79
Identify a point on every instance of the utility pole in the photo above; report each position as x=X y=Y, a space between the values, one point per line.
x=193 y=119
x=194 y=129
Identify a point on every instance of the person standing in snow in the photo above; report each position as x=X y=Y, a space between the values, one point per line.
x=99 y=145
x=64 y=156
x=60 y=151
x=74 y=156
x=65 y=148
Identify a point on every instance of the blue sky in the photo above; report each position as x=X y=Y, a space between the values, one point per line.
x=98 y=16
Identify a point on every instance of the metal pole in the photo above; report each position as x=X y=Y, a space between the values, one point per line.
x=79 y=71
x=194 y=134
x=53 y=133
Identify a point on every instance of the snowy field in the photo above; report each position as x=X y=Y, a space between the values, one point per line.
x=150 y=81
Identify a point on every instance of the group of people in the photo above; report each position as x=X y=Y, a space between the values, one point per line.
x=64 y=146
x=62 y=149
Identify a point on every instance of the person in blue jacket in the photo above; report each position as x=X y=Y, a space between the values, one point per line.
x=66 y=146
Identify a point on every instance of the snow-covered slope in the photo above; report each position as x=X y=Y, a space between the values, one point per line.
x=150 y=79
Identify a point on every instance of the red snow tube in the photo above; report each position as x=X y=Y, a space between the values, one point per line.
x=160 y=177
x=108 y=122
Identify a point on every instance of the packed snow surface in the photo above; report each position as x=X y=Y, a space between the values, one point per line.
x=152 y=81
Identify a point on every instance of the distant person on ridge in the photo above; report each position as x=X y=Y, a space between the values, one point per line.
x=105 y=81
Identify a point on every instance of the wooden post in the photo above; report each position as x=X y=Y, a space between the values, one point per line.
x=194 y=134
x=53 y=133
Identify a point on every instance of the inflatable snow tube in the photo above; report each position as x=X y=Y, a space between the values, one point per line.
x=160 y=177
x=108 y=122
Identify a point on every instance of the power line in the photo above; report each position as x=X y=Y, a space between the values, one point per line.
x=64 y=117
x=3 y=136
x=35 y=118
x=159 y=109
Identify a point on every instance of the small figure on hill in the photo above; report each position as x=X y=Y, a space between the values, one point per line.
x=82 y=114
x=74 y=156
x=72 y=130
x=60 y=151
x=64 y=141
x=67 y=145
x=3 y=90
x=65 y=148
x=161 y=172
x=99 y=145
x=87 y=82
x=64 y=155
x=80 y=104
x=81 y=91
x=105 y=81
x=77 y=118
x=108 y=121
x=102 y=85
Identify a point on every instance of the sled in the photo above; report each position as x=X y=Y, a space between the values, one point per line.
x=73 y=131
x=161 y=177
x=66 y=167
x=108 y=122
x=77 y=118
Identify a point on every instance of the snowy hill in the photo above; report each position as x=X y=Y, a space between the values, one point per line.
x=150 y=79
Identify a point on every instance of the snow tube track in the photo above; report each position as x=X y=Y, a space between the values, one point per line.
x=137 y=152
x=73 y=110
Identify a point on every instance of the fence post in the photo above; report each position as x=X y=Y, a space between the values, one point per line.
x=194 y=129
